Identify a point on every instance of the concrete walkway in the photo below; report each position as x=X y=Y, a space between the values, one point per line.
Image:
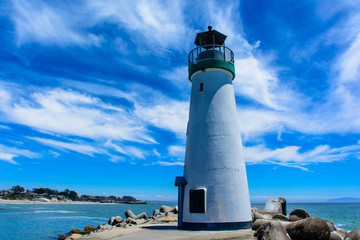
x=167 y=231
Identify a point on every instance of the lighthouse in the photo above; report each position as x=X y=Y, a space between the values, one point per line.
x=213 y=192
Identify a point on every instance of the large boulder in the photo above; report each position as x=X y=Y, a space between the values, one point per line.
x=115 y=220
x=298 y=214
x=130 y=214
x=132 y=221
x=312 y=228
x=335 y=236
x=275 y=205
x=88 y=229
x=353 y=235
x=156 y=212
x=165 y=209
x=273 y=230
x=281 y=217
x=258 y=223
x=331 y=226
x=75 y=230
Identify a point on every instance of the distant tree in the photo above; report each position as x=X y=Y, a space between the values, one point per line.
x=70 y=194
x=45 y=191
x=113 y=198
x=128 y=198
x=17 y=189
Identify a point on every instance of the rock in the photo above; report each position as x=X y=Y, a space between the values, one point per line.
x=130 y=220
x=269 y=215
x=74 y=236
x=115 y=220
x=130 y=214
x=281 y=217
x=62 y=237
x=283 y=205
x=111 y=220
x=121 y=224
x=331 y=226
x=273 y=230
x=298 y=214
x=259 y=222
x=156 y=212
x=88 y=229
x=312 y=228
x=275 y=205
x=75 y=230
x=258 y=216
x=103 y=227
x=335 y=236
x=353 y=235
x=165 y=209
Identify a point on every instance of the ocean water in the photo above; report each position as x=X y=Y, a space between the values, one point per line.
x=48 y=221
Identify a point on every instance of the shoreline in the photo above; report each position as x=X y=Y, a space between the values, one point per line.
x=56 y=202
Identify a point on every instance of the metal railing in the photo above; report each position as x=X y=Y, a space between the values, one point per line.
x=211 y=52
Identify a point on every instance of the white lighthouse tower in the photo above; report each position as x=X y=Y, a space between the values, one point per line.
x=213 y=193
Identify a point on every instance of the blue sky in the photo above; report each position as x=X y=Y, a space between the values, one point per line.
x=94 y=94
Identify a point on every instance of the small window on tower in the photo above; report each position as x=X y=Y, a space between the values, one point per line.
x=201 y=87
x=197 y=200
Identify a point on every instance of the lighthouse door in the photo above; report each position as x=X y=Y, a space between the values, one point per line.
x=197 y=200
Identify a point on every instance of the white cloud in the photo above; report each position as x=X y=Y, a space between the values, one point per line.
x=156 y=153
x=162 y=163
x=152 y=24
x=4 y=127
x=9 y=153
x=255 y=82
x=116 y=147
x=171 y=115
x=8 y=157
x=135 y=152
x=179 y=77
x=36 y=21
x=292 y=156
x=350 y=62
x=76 y=147
x=72 y=113
x=176 y=151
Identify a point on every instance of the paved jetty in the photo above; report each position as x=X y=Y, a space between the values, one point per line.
x=166 y=231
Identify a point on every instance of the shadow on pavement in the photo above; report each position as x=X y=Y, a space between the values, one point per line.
x=161 y=227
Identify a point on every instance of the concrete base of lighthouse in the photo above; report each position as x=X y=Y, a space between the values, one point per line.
x=216 y=195
x=216 y=226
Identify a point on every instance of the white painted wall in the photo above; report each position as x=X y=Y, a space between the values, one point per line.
x=213 y=158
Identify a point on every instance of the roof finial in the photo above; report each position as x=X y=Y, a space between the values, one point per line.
x=209 y=27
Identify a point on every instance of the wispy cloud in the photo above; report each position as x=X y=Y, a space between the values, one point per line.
x=170 y=115
x=176 y=150
x=292 y=156
x=37 y=21
x=162 y=163
x=8 y=154
x=73 y=113
x=161 y=23
x=8 y=157
x=80 y=148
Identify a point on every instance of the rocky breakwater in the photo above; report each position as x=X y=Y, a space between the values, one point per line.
x=163 y=215
x=273 y=223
